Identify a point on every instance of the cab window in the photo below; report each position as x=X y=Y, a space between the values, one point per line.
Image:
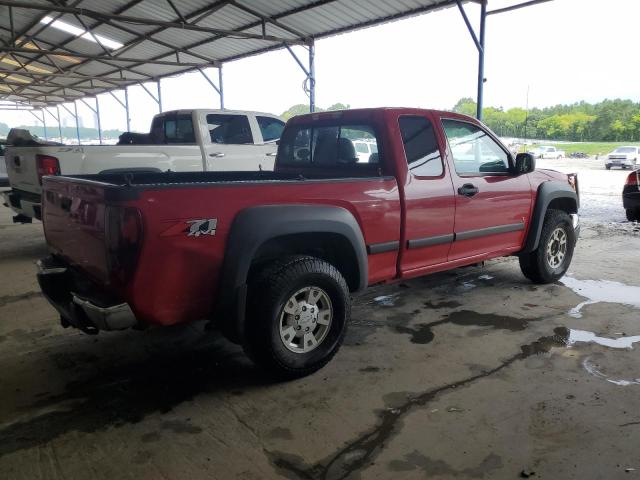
x=474 y=151
x=271 y=128
x=329 y=146
x=420 y=146
x=229 y=129
x=179 y=129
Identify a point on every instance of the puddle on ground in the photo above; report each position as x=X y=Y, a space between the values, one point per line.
x=592 y=367
x=386 y=300
x=601 y=291
x=582 y=336
x=485 y=277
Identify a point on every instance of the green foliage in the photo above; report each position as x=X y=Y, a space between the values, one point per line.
x=610 y=120
x=301 y=109
x=590 y=148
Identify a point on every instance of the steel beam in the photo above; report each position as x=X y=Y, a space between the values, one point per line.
x=217 y=88
x=75 y=108
x=144 y=21
x=312 y=78
x=517 y=7
x=110 y=58
x=221 y=87
x=160 y=95
x=126 y=108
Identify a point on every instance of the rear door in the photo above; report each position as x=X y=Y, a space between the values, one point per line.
x=492 y=204
x=269 y=130
x=230 y=144
x=428 y=194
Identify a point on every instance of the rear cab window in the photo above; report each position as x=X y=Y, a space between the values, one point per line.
x=229 y=129
x=330 y=146
x=178 y=129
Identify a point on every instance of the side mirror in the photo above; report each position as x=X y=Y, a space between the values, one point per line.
x=525 y=163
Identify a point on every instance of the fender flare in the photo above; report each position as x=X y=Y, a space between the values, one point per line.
x=254 y=226
x=547 y=192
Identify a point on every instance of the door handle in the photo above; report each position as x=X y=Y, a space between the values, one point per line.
x=468 y=190
x=217 y=154
x=272 y=154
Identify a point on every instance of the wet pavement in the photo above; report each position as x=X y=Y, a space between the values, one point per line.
x=474 y=373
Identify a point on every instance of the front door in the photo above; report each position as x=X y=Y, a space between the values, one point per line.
x=493 y=204
x=231 y=145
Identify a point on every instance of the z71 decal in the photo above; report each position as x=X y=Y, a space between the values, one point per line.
x=202 y=227
x=192 y=228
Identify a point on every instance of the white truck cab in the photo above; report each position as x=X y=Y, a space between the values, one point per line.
x=179 y=140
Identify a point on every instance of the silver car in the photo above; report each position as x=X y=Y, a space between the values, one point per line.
x=623 y=157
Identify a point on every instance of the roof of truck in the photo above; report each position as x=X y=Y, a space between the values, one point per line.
x=361 y=112
x=216 y=110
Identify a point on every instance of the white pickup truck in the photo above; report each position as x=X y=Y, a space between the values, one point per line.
x=180 y=141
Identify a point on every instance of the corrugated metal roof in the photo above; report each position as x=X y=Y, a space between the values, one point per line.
x=195 y=34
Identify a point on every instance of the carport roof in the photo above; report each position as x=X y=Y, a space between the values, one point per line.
x=55 y=52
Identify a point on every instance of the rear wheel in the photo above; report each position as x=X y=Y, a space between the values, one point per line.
x=297 y=317
x=551 y=260
x=633 y=214
x=608 y=167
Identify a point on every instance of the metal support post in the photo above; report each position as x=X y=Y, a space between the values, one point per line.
x=214 y=86
x=126 y=108
x=157 y=99
x=59 y=124
x=483 y=20
x=159 y=96
x=480 y=46
x=75 y=109
x=96 y=112
x=309 y=85
x=44 y=124
x=98 y=120
x=312 y=77
x=74 y=114
x=221 y=87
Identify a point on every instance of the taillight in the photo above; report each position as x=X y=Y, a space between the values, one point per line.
x=47 y=165
x=123 y=239
x=632 y=179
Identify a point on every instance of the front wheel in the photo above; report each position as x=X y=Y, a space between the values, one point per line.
x=633 y=215
x=551 y=260
x=297 y=317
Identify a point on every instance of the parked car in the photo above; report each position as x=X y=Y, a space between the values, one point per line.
x=181 y=140
x=545 y=151
x=364 y=149
x=4 y=178
x=631 y=196
x=623 y=157
x=273 y=257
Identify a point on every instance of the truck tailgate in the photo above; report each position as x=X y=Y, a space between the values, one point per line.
x=21 y=168
x=74 y=224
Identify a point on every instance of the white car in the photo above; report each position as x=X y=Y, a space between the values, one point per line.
x=623 y=157
x=547 y=151
x=180 y=141
x=364 y=149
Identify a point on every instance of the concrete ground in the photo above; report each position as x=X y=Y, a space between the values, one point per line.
x=474 y=373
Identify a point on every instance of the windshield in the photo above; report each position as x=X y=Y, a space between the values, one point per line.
x=625 y=150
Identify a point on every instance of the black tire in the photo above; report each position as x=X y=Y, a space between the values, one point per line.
x=269 y=292
x=608 y=167
x=535 y=265
x=633 y=215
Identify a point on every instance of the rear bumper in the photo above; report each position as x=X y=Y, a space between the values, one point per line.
x=25 y=204
x=60 y=286
x=631 y=199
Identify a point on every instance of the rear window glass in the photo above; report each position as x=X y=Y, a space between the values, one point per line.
x=420 y=146
x=328 y=146
x=229 y=129
x=179 y=129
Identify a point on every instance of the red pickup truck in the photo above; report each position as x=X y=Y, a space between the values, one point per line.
x=273 y=257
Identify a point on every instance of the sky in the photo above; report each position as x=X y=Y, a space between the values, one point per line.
x=563 y=51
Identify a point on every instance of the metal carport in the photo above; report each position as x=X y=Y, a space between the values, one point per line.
x=56 y=53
